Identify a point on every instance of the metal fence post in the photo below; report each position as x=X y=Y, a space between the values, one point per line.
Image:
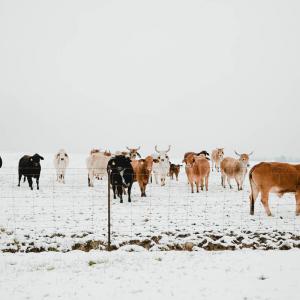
x=108 y=213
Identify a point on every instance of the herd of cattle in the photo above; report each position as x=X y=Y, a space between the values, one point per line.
x=126 y=167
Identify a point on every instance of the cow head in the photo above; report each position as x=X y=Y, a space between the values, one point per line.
x=35 y=159
x=148 y=162
x=94 y=151
x=244 y=158
x=190 y=159
x=107 y=153
x=133 y=152
x=61 y=155
x=220 y=153
x=162 y=155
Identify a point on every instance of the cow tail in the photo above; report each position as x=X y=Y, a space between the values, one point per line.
x=252 y=183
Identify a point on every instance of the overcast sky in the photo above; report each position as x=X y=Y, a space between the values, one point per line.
x=194 y=74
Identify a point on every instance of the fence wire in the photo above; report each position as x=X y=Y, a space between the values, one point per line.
x=64 y=214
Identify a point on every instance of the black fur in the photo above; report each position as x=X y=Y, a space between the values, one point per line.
x=121 y=175
x=0 y=162
x=30 y=167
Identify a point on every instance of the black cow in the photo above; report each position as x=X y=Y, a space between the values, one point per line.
x=0 y=162
x=121 y=175
x=30 y=167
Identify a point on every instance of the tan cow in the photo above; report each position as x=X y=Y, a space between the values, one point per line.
x=216 y=158
x=97 y=165
x=274 y=177
x=232 y=168
x=142 y=171
x=197 y=169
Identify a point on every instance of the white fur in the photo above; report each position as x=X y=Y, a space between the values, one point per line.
x=61 y=163
x=97 y=166
x=161 y=169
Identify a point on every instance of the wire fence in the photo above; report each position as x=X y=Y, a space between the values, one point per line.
x=59 y=216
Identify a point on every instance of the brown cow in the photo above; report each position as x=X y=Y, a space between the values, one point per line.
x=274 y=177
x=216 y=158
x=174 y=170
x=197 y=169
x=235 y=168
x=142 y=171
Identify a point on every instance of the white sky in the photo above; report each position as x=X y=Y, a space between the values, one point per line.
x=193 y=74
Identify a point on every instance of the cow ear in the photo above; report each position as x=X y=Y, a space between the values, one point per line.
x=41 y=157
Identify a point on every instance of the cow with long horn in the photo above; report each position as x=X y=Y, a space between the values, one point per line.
x=133 y=152
x=161 y=168
x=232 y=168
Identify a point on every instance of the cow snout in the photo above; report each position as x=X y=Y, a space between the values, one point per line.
x=62 y=158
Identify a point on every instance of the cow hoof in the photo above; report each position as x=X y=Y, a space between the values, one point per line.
x=129 y=200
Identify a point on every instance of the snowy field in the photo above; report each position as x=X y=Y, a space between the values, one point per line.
x=72 y=216
x=226 y=275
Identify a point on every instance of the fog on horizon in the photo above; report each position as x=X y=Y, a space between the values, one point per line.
x=110 y=74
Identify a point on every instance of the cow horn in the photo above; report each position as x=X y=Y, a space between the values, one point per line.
x=169 y=148
x=138 y=148
x=250 y=153
x=156 y=149
x=237 y=153
x=128 y=148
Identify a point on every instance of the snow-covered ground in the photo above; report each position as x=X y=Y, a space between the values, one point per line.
x=72 y=216
x=151 y=275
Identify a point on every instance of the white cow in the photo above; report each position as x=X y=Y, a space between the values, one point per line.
x=97 y=165
x=61 y=162
x=161 y=168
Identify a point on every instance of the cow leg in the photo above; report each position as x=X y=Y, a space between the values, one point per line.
x=20 y=177
x=120 y=192
x=90 y=179
x=114 y=188
x=228 y=181
x=129 y=192
x=29 y=179
x=237 y=183
x=206 y=182
x=223 y=181
x=297 y=196
x=265 y=202
x=38 y=182
x=192 y=186
x=156 y=178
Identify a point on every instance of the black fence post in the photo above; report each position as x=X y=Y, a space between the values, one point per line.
x=108 y=213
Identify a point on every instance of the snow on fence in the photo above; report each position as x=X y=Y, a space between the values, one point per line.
x=62 y=217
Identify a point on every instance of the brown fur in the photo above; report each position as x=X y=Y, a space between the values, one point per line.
x=174 y=171
x=142 y=171
x=279 y=178
x=197 y=170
